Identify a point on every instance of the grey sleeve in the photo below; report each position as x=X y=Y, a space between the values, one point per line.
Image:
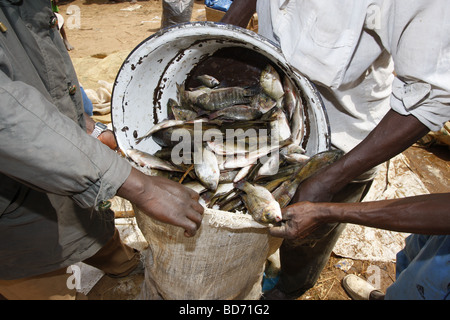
x=46 y=150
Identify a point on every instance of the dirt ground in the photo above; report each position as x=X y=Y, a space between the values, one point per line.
x=108 y=29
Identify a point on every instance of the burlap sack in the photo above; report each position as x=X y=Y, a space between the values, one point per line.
x=225 y=260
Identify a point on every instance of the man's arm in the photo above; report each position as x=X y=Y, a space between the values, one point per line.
x=240 y=13
x=43 y=148
x=393 y=135
x=425 y=214
x=107 y=137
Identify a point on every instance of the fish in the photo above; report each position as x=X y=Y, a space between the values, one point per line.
x=230 y=204
x=290 y=97
x=237 y=113
x=297 y=125
x=187 y=98
x=243 y=172
x=226 y=147
x=166 y=137
x=286 y=171
x=164 y=153
x=145 y=159
x=181 y=132
x=207 y=170
x=271 y=83
x=272 y=184
x=223 y=190
x=296 y=158
x=241 y=161
x=292 y=148
x=208 y=80
x=196 y=186
x=227 y=176
x=270 y=166
x=259 y=202
x=293 y=153
x=250 y=143
x=161 y=125
x=216 y=99
x=286 y=191
x=280 y=125
x=183 y=114
x=263 y=102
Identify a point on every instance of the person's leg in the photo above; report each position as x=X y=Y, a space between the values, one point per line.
x=422 y=269
x=115 y=258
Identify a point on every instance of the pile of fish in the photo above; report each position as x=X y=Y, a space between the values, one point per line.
x=239 y=148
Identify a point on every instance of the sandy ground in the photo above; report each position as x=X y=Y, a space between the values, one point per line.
x=104 y=35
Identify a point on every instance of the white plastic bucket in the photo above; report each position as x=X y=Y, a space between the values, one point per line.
x=148 y=78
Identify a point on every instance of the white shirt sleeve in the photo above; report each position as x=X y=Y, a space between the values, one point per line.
x=419 y=41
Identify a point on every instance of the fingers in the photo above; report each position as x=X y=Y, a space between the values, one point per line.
x=194 y=219
x=192 y=223
x=278 y=231
x=285 y=229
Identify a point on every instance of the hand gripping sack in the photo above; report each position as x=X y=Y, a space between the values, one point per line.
x=225 y=260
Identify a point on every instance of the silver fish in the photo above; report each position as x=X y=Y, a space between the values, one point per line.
x=216 y=99
x=260 y=203
x=243 y=173
x=284 y=193
x=290 y=97
x=222 y=189
x=263 y=102
x=229 y=147
x=281 y=125
x=188 y=98
x=292 y=148
x=227 y=176
x=196 y=186
x=161 y=125
x=269 y=167
x=297 y=124
x=240 y=161
x=293 y=153
x=237 y=113
x=271 y=83
x=208 y=80
x=145 y=159
x=296 y=158
x=207 y=170
x=183 y=114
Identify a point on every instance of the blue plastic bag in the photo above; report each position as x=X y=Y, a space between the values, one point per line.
x=222 y=5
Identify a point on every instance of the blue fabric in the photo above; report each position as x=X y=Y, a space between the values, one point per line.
x=268 y=282
x=88 y=107
x=222 y=5
x=423 y=269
